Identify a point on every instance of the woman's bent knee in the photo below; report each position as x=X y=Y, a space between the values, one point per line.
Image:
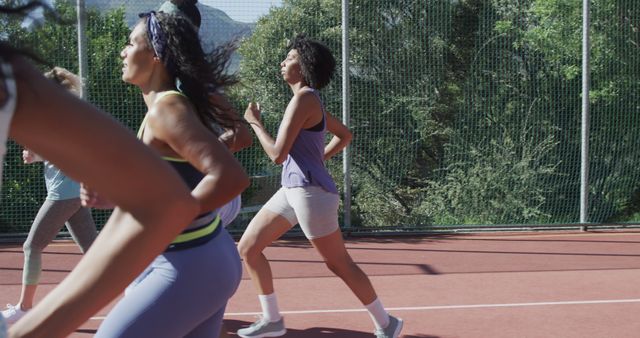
x=343 y=269
x=28 y=248
x=248 y=251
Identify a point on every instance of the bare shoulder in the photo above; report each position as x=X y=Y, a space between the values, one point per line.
x=172 y=102
x=306 y=101
x=170 y=107
x=171 y=114
x=306 y=95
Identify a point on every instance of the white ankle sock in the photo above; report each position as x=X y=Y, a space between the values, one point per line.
x=379 y=315
x=269 y=304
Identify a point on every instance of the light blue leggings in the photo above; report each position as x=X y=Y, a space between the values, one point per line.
x=181 y=294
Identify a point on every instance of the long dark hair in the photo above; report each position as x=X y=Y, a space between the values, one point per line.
x=198 y=73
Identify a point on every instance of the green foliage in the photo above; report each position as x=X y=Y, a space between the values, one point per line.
x=393 y=99
x=23 y=190
x=107 y=35
x=463 y=112
x=501 y=164
x=469 y=111
x=527 y=69
x=501 y=182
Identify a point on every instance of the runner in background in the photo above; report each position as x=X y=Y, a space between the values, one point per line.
x=308 y=195
x=61 y=206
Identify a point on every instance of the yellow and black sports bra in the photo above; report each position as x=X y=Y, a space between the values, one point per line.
x=205 y=226
x=189 y=173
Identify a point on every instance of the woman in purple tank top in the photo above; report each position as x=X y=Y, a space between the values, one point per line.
x=308 y=195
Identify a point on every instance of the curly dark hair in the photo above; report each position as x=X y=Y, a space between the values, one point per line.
x=317 y=62
x=199 y=73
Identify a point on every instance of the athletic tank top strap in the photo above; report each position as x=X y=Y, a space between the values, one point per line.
x=164 y=94
x=320 y=126
x=159 y=97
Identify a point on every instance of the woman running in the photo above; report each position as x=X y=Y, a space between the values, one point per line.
x=154 y=204
x=184 y=292
x=62 y=206
x=236 y=136
x=308 y=195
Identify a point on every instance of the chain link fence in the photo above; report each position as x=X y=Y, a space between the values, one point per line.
x=466 y=114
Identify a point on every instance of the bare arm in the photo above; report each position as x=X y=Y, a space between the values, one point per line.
x=91 y=199
x=341 y=137
x=237 y=138
x=295 y=117
x=173 y=122
x=152 y=210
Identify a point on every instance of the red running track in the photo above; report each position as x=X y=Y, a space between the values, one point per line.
x=559 y=285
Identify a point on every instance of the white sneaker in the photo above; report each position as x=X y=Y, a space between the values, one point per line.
x=263 y=328
x=392 y=330
x=13 y=313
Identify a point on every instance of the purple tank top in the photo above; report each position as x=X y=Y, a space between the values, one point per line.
x=304 y=165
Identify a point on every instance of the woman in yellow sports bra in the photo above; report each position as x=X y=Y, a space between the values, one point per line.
x=183 y=293
x=154 y=203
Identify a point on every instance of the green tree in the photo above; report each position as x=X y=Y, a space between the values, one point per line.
x=514 y=155
x=55 y=43
x=392 y=101
x=498 y=166
x=615 y=90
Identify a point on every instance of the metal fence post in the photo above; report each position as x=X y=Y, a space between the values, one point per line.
x=346 y=158
x=83 y=70
x=584 y=161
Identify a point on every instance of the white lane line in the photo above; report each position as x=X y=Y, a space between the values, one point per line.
x=441 y=307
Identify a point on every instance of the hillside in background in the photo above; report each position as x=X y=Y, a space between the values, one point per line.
x=217 y=26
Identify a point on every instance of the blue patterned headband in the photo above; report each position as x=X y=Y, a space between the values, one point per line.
x=158 y=39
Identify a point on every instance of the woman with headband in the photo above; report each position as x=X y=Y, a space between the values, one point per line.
x=154 y=204
x=236 y=137
x=184 y=292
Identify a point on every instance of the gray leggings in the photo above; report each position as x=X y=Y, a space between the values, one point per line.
x=48 y=222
